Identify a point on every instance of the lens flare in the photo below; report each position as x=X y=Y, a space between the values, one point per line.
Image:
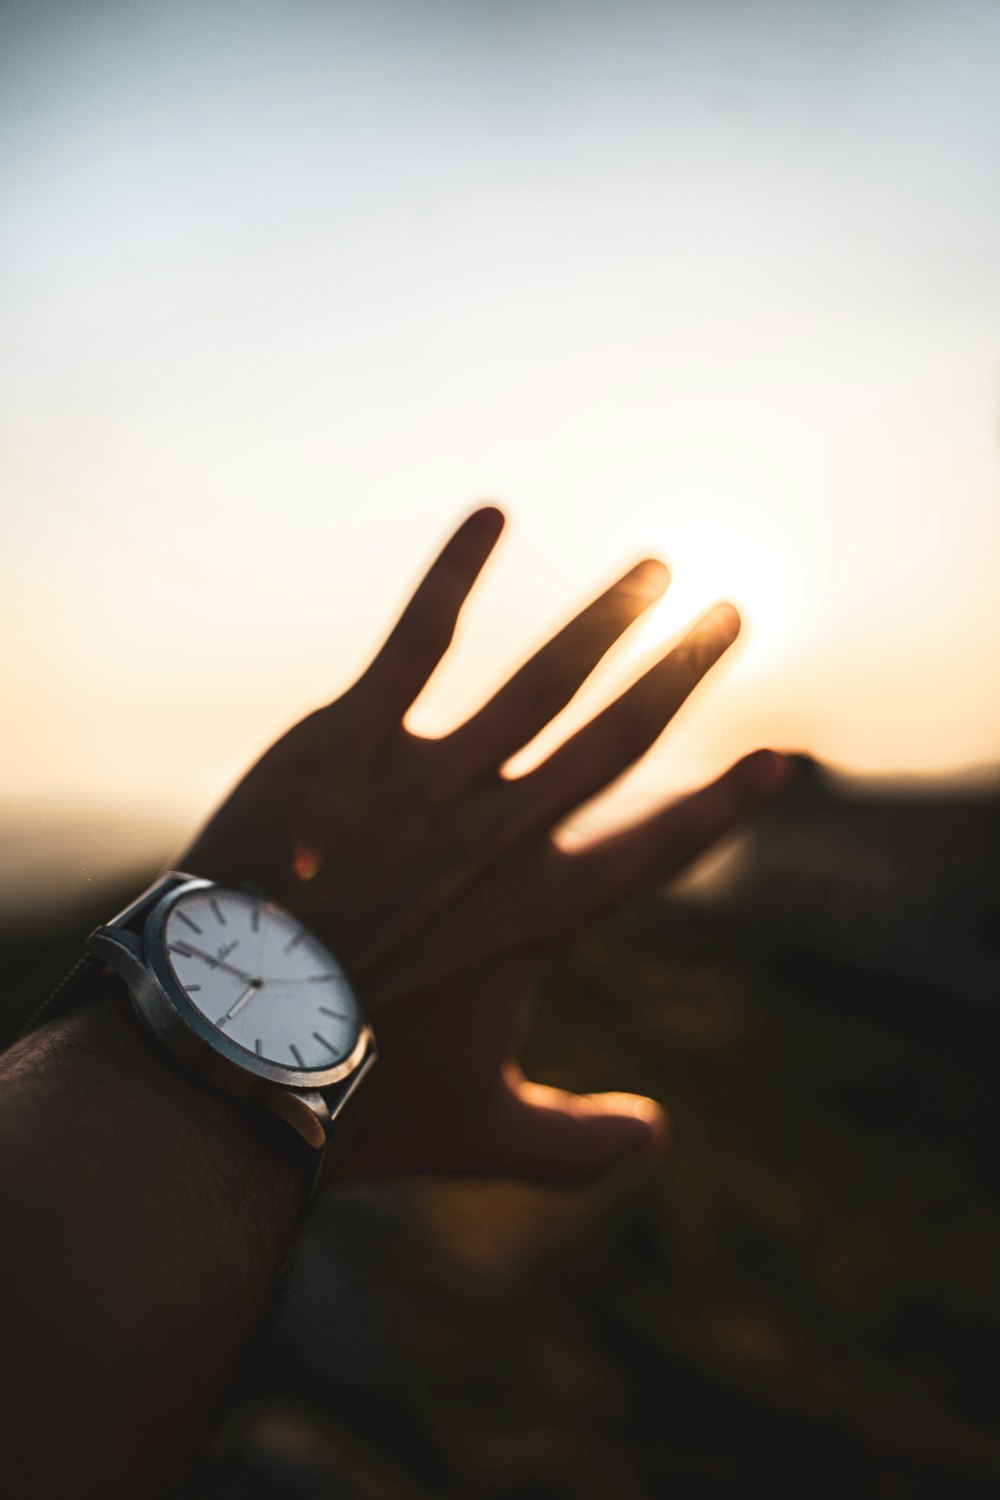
x=305 y=863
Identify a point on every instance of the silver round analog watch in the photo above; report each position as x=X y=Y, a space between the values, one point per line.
x=243 y=997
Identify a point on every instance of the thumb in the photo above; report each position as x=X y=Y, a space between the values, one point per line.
x=551 y=1135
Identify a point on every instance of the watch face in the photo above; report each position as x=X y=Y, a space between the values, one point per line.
x=261 y=979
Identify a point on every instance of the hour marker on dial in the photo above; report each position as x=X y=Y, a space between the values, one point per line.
x=338 y=1015
x=297 y=1055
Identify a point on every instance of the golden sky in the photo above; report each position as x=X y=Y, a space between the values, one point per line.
x=286 y=289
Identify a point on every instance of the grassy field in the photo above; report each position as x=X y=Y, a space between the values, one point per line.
x=801 y=1299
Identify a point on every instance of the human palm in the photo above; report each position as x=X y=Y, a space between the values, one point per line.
x=437 y=881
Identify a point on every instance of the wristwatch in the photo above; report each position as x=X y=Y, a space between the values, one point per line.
x=243 y=998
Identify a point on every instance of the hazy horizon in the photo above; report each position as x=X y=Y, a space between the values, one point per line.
x=50 y=853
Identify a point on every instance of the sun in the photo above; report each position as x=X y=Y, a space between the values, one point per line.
x=710 y=564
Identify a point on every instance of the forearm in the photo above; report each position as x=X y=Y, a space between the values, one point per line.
x=146 y=1220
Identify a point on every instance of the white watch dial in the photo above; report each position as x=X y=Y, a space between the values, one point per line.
x=262 y=979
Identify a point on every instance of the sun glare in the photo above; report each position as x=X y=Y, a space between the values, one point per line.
x=712 y=564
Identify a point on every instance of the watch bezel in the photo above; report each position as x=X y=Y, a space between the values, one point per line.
x=164 y=1006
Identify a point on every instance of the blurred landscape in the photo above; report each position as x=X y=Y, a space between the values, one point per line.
x=800 y=1299
x=283 y=287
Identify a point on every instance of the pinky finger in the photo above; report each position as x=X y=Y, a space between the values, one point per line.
x=606 y=873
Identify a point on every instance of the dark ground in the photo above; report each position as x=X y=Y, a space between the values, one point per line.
x=802 y=1299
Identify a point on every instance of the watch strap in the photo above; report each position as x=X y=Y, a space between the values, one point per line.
x=82 y=983
x=78 y=985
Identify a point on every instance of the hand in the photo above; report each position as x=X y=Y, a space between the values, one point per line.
x=437 y=883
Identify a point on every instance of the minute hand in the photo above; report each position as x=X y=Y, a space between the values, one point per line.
x=216 y=963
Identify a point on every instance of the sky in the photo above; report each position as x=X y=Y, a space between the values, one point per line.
x=286 y=288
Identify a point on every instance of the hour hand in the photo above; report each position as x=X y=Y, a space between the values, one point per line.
x=234 y=1010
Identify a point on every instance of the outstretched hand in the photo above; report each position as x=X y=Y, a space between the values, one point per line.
x=436 y=881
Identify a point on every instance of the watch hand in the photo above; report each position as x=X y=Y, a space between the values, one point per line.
x=188 y=951
x=234 y=1010
x=298 y=978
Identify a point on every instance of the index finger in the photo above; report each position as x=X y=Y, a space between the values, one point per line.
x=426 y=627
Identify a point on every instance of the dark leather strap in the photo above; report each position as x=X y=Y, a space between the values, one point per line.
x=78 y=985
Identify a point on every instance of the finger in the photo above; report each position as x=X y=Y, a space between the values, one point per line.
x=626 y=729
x=426 y=627
x=543 y=893
x=548 y=1135
x=547 y=682
x=600 y=877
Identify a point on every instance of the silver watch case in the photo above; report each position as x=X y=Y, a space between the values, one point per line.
x=132 y=944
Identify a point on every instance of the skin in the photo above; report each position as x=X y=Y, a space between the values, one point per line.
x=438 y=882
x=146 y=1218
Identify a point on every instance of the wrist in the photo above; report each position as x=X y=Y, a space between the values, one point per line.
x=148 y=1222
x=142 y=1133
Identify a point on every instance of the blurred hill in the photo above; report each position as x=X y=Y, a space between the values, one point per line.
x=900 y=879
x=889 y=889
